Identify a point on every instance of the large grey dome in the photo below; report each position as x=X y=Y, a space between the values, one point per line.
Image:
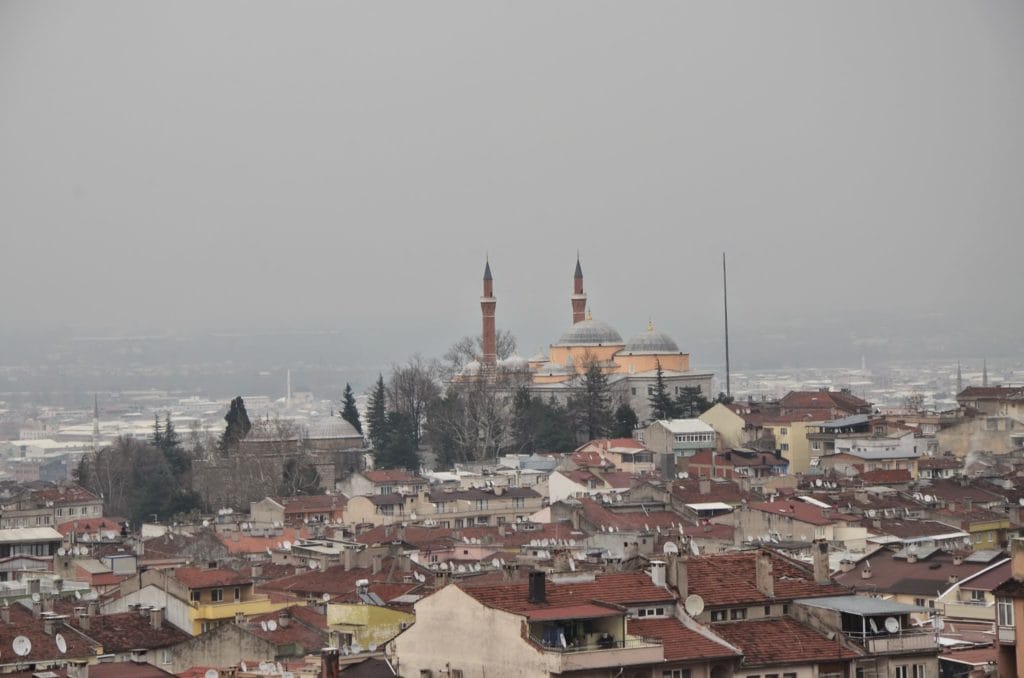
x=651 y=341
x=590 y=332
x=331 y=428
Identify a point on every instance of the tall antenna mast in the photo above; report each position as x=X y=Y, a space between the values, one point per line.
x=725 y=304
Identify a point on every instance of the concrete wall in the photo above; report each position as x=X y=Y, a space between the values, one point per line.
x=226 y=645
x=176 y=611
x=453 y=630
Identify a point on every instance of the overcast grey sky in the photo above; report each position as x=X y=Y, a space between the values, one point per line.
x=192 y=165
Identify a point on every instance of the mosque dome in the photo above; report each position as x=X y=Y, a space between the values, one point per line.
x=590 y=331
x=651 y=341
x=514 y=362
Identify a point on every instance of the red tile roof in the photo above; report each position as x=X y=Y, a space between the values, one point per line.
x=126 y=631
x=816 y=400
x=621 y=588
x=680 y=643
x=728 y=579
x=64 y=494
x=598 y=515
x=316 y=503
x=44 y=646
x=886 y=476
x=242 y=543
x=90 y=525
x=803 y=512
x=304 y=626
x=989 y=392
x=197 y=578
x=770 y=642
x=393 y=476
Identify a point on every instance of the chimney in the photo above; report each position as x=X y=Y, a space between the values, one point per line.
x=93 y=608
x=954 y=578
x=37 y=609
x=865 y=572
x=846 y=565
x=958 y=559
x=763 y=574
x=84 y=621
x=329 y=664
x=5 y=613
x=537 y=592
x=911 y=558
x=348 y=559
x=49 y=626
x=1017 y=553
x=284 y=619
x=378 y=561
x=156 y=617
x=239 y=618
x=658 y=573
x=78 y=669
x=704 y=486
x=819 y=551
x=256 y=571
x=682 y=577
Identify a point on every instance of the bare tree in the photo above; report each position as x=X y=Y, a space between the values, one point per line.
x=412 y=388
x=470 y=348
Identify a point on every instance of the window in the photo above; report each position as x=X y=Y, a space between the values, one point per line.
x=919 y=671
x=767 y=610
x=456 y=673
x=784 y=447
x=238 y=593
x=919 y=602
x=60 y=512
x=439 y=507
x=426 y=673
x=633 y=390
x=719 y=615
x=738 y=613
x=165 y=656
x=196 y=596
x=788 y=675
x=676 y=673
x=481 y=505
x=783 y=431
x=771 y=675
x=901 y=672
x=518 y=502
x=977 y=596
x=217 y=595
x=1004 y=610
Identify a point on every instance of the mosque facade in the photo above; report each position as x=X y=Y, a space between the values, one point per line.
x=630 y=366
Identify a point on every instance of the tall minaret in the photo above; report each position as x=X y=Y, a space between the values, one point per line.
x=579 y=297
x=95 y=422
x=959 y=378
x=487 y=304
x=984 y=372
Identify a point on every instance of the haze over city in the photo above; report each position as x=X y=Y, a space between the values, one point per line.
x=187 y=168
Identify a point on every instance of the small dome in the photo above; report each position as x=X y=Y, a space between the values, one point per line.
x=651 y=341
x=590 y=332
x=514 y=362
x=330 y=428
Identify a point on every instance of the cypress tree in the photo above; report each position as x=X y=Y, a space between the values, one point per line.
x=377 y=415
x=662 y=406
x=349 y=411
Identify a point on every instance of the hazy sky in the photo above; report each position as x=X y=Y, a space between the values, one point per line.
x=194 y=165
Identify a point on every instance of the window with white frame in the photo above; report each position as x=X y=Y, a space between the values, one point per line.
x=1004 y=611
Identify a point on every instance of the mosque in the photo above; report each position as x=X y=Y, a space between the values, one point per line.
x=631 y=366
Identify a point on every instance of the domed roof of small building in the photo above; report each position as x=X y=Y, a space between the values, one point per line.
x=590 y=331
x=331 y=428
x=651 y=341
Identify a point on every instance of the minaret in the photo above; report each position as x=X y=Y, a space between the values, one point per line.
x=959 y=378
x=579 y=297
x=487 y=304
x=984 y=373
x=95 y=422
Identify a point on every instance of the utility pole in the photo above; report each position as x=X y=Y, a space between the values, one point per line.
x=725 y=303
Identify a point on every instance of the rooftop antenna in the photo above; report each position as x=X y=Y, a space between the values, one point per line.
x=984 y=372
x=725 y=305
x=959 y=378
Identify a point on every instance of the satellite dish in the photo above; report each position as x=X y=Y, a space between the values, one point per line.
x=325 y=597
x=83 y=550
x=495 y=563
x=372 y=648
x=693 y=605
x=670 y=548
x=21 y=646
x=313 y=564
x=940 y=623
x=287 y=545
x=817 y=482
x=61 y=551
x=271 y=625
x=694 y=549
x=35 y=597
x=62 y=644
x=872 y=513
x=211 y=673
x=356 y=648
x=892 y=624
x=245 y=669
x=78 y=595
x=263 y=625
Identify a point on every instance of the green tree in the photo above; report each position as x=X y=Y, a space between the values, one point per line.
x=238 y=426
x=591 y=406
x=537 y=426
x=661 y=403
x=349 y=411
x=691 y=403
x=158 y=435
x=377 y=414
x=625 y=420
x=399 y=446
x=724 y=399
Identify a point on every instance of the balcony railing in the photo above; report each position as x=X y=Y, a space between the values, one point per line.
x=905 y=641
x=629 y=642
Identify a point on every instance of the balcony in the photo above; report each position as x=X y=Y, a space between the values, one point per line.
x=610 y=654
x=906 y=641
x=1007 y=635
x=964 y=609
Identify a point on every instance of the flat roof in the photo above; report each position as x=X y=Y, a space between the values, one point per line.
x=710 y=506
x=862 y=605
x=18 y=534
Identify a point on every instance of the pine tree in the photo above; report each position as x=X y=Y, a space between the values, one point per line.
x=590 y=408
x=691 y=402
x=238 y=425
x=377 y=415
x=398 y=449
x=661 y=403
x=349 y=411
x=158 y=436
x=173 y=451
x=625 y=421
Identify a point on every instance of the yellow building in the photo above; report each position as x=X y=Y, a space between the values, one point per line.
x=791 y=440
x=366 y=625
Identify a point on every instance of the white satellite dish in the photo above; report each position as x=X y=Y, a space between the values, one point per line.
x=61 y=551
x=263 y=625
x=420 y=577
x=693 y=605
x=670 y=548
x=244 y=667
x=372 y=648
x=271 y=625
x=817 y=482
x=325 y=597
x=892 y=624
x=872 y=513
x=35 y=597
x=940 y=624
x=495 y=564
x=206 y=523
x=211 y=673
x=356 y=648
x=287 y=545
x=62 y=644
x=21 y=646
x=313 y=564
x=694 y=549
